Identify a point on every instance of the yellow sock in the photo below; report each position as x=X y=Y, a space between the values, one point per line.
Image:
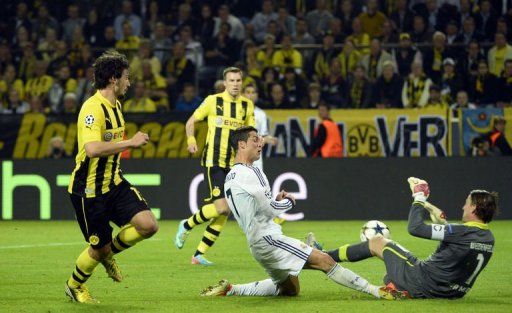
x=127 y=237
x=206 y=213
x=211 y=234
x=84 y=267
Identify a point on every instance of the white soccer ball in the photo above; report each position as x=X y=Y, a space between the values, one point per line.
x=374 y=228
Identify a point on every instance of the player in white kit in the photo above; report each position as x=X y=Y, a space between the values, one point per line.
x=250 y=200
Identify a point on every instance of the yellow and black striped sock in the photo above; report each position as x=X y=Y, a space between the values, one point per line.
x=84 y=267
x=211 y=234
x=206 y=213
x=127 y=237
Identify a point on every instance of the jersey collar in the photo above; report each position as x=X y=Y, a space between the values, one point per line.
x=478 y=225
x=103 y=99
x=228 y=97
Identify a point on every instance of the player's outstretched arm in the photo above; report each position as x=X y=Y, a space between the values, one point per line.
x=191 y=139
x=96 y=149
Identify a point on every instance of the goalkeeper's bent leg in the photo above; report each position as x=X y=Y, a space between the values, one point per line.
x=206 y=213
x=211 y=233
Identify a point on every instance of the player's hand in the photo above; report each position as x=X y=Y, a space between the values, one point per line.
x=419 y=189
x=436 y=214
x=139 y=139
x=283 y=194
x=192 y=148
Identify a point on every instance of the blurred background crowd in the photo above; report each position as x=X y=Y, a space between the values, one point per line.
x=299 y=53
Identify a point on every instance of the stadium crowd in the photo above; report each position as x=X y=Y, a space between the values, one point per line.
x=347 y=54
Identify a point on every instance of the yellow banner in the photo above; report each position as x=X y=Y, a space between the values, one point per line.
x=372 y=133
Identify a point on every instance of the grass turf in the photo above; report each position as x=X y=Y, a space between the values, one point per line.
x=36 y=258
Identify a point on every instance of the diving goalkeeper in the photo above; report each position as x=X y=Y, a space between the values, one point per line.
x=450 y=272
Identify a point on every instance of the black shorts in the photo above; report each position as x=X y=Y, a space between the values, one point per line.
x=214 y=178
x=402 y=269
x=119 y=206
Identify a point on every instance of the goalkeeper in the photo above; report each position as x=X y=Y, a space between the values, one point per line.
x=450 y=272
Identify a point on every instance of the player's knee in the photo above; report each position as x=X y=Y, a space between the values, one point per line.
x=148 y=228
x=100 y=253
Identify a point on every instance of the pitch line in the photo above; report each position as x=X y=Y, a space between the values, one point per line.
x=52 y=244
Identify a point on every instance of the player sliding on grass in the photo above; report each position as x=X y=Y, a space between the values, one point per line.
x=451 y=271
x=249 y=197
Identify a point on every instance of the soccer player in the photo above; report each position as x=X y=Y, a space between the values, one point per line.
x=250 y=200
x=451 y=271
x=97 y=188
x=226 y=111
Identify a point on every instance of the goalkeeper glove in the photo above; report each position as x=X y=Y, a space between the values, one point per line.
x=419 y=188
x=436 y=214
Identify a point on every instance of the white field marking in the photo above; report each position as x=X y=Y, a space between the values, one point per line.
x=53 y=244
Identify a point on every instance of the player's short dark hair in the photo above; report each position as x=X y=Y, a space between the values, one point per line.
x=109 y=64
x=241 y=134
x=231 y=69
x=486 y=203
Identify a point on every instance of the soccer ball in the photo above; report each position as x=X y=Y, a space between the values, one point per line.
x=374 y=228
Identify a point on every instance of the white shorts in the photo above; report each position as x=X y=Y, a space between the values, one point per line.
x=281 y=256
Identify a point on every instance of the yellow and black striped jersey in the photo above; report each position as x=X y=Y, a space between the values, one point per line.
x=224 y=115
x=99 y=120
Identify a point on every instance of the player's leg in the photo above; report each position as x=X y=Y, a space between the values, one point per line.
x=93 y=220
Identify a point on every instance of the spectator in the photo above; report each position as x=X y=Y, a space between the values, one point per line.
x=27 y=63
x=416 y=90
x=482 y=87
x=10 y=82
x=219 y=50
x=452 y=33
x=20 y=20
x=254 y=68
x=46 y=47
x=497 y=55
x=108 y=40
x=388 y=36
x=374 y=61
x=498 y=139
x=85 y=88
x=184 y=18
x=503 y=28
x=278 y=98
x=156 y=86
x=318 y=19
x=206 y=23
x=237 y=28
x=5 y=55
x=387 y=90
x=93 y=28
x=13 y=104
x=401 y=18
x=405 y=54
x=261 y=19
x=287 y=57
x=435 y=99
x=433 y=57
x=218 y=86
x=505 y=86
x=266 y=54
x=40 y=84
x=349 y=57
x=269 y=77
x=64 y=84
x=327 y=140
x=43 y=23
x=360 y=39
x=56 y=149
x=127 y=16
x=488 y=19
x=451 y=82
x=336 y=30
x=294 y=87
x=468 y=63
x=74 y=20
x=285 y=21
x=323 y=57
x=22 y=38
x=145 y=53
x=420 y=33
x=333 y=86
x=274 y=30
x=469 y=32
x=302 y=36
x=481 y=147
x=178 y=70
x=70 y=103
x=372 y=19
x=359 y=94
x=76 y=45
x=161 y=43
x=188 y=101
x=314 y=98
x=141 y=102
x=462 y=103
x=60 y=59
x=346 y=14
x=152 y=17
x=193 y=48
x=82 y=62
x=129 y=42
x=432 y=15
x=37 y=105
x=466 y=11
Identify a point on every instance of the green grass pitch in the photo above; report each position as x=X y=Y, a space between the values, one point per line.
x=36 y=259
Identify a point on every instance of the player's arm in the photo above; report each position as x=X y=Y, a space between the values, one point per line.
x=199 y=114
x=96 y=149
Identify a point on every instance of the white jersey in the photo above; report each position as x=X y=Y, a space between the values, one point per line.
x=260 y=119
x=250 y=199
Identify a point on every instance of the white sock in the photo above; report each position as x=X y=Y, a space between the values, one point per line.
x=351 y=280
x=258 y=288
